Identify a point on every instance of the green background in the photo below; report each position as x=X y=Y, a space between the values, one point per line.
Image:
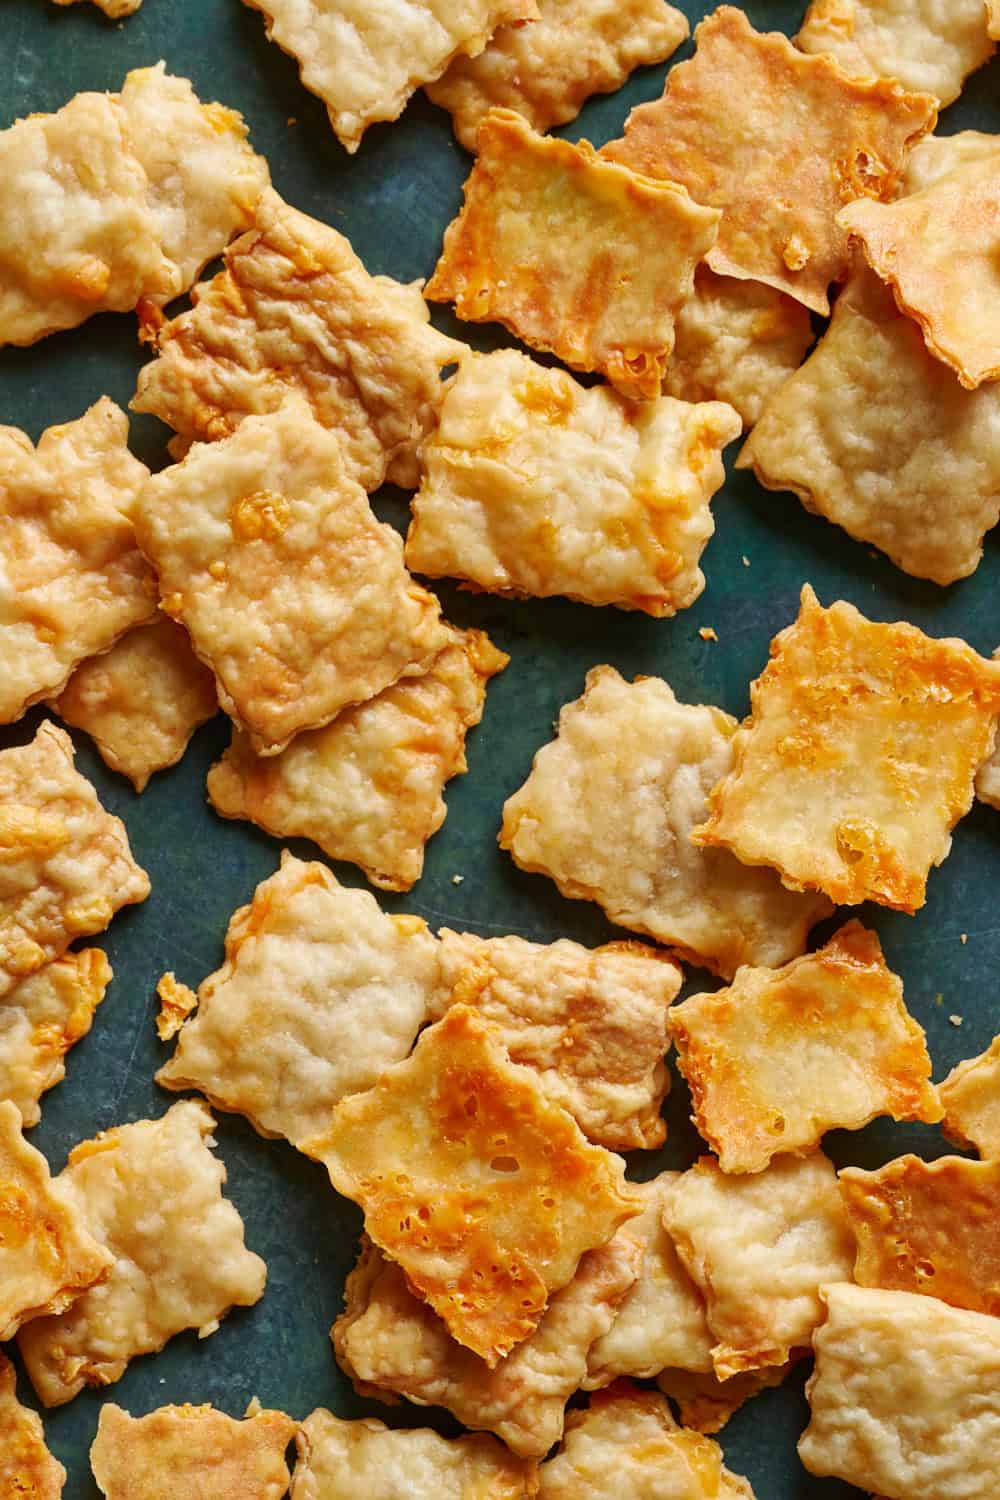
x=394 y=200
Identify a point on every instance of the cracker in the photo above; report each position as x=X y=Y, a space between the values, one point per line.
x=971 y=1098
x=292 y=592
x=484 y=1191
x=115 y=10
x=937 y=155
x=65 y=863
x=151 y=1193
x=41 y=1019
x=988 y=779
x=993 y=18
x=177 y=1002
x=27 y=1468
x=534 y=485
x=748 y=115
x=759 y=1248
x=912 y=717
x=574 y=254
x=73 y=578
x=606 y=814
x=591 y=1023
x=706 y=1403
x=368 y=787
x=321 y=991
x=141 y=701
x=546 y=71
x=905 y=1397
x=191 y=1450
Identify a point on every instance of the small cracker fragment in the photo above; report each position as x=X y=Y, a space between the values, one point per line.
x=152 y=1194
x=41 y=1019
x=177 y=1001
x=784 y=1055
x=748 y=115
x=28 y=1470
x=971 y=1098
x=65 y=863
x=546 y=71
x=607 y=812
x=574 y=254
x=858 y=758
x=321 y=991
x=368 y=787
x=485 y=1192
x=706 y=1403
x=191 y=1450
x=534 y=485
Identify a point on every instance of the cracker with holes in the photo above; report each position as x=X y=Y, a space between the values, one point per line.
x=971 y=1098
x=41 y=1019
x=27 y=1468
x=187 y=1450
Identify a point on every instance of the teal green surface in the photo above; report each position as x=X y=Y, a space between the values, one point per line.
x=394 y=200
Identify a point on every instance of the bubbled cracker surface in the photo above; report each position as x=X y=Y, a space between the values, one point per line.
x=41 y=1019
x=191 y=1450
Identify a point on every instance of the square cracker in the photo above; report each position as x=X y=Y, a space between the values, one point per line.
x=575 y=255
x=368 y=787
x=905 y=1397
x=41 y=1019
x=27 y=1468
x=759 y=1248
x=533 y=484
x=546 y=71
x=607 y=812
x=151 y=1193
x=72 y=575
x=321 y=991
x=784 y=1055
x=971 y=1098
x=591 y=1023
x=389 y=1343
x=295 y=310
x=748 y=115
x=878 y=436
x=291 y=591
x=191 y=1450
x=858 y=758
x=484 y=1191
x=65 y=863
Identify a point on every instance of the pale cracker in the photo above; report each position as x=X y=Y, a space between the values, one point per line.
x=937 y=155
x=28 y=1470
x=41 y=1019
x=706 y=1403
x=191 y=1451
x=971 y=1098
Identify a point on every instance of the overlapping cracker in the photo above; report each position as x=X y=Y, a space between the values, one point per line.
x=905 y=1397
x=291 y=591
x=27 y=1468
x=191 y=1450
x=750 y=114
x=74 y=578
x=937 y=155
x=706 y=1403
x=971 y=1098
x=295 y=310
x=41 y=1019
x=591 y=1023
x=574 y=254
x=151 y=1193
x=484 y=1191
x=858 y=758
x=759 y=1248
x=321 y=991
x=368 y=787
x=547 y=70
x=65 y=863
x=533 y=484
x=607 y=813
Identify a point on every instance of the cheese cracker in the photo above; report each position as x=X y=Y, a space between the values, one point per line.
x=41 y=1019
x=27 y=1468
x=971 y=1098
x=191 y=1450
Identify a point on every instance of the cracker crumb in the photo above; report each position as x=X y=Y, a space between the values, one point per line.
x=457 y=879
x=745 y=560
x=292 y=120
x=707 y=633
x=964 y=938
x=956 y=1020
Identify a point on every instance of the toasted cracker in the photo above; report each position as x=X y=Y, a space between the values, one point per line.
x=748 y=115
x=988 y=777
x=937 y=155
x=574 y=254
x=41 y=1019
x=368 y=787
x=971 y=1098
x=321 y=991
x=65 y=863
x=706 y=1403
x=190 y=1450
x=27 y=1468
x=151 y=1193
x=913 y=717
x=607 y=811
x=533 y=484
x=993 y=18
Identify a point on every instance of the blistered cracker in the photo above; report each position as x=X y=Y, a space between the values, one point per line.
x=759 y=1248
x=784 y=1055
x=368 y=787
x=73 y=578
x=191 y=1450
x=937 y=155
x=534 y=485
x=321 y=991
x=607 y=813
x=115 y=10
x=293 y=593
x=28 y=1470
x=858 y=758
x=591 y=1023
x=65 y=863
x=748 y=115
x=546 y=71
x=574 y=254
x=905 y=1397
x=366 y=1460
x=41 y=1019
x=151 y=1193
x=390 y=1343
x=971 y=1098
